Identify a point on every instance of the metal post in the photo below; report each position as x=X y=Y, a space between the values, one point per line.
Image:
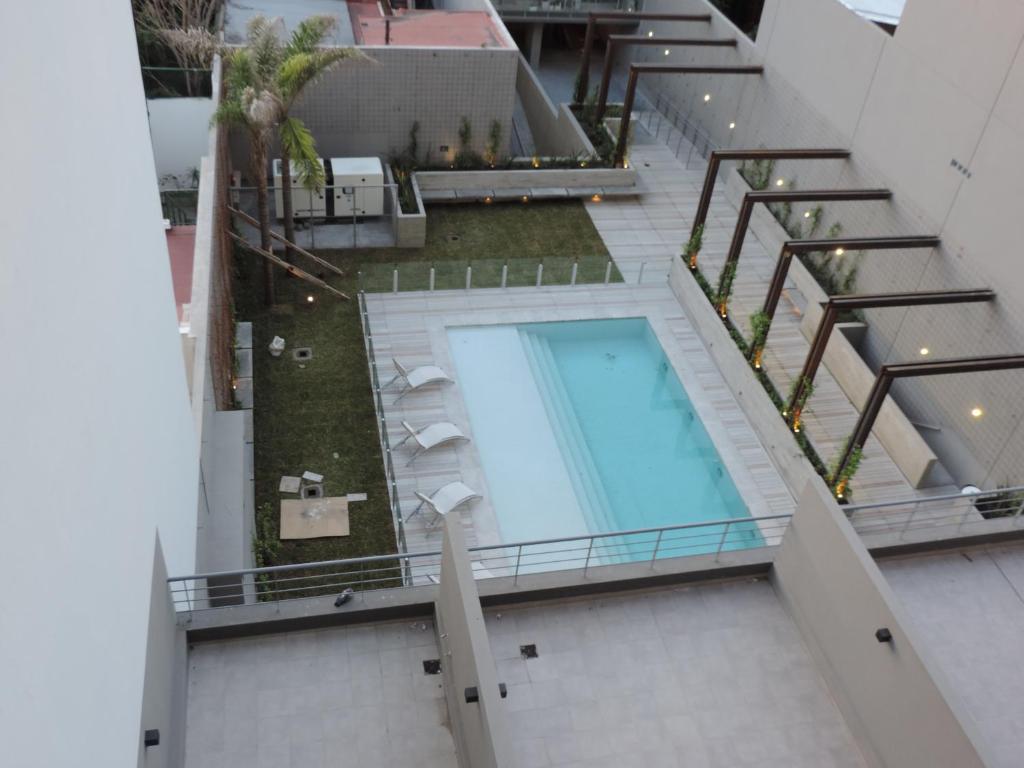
x=431 y=278
x=540 y=273
x=394 y=281
x=504 y=274
x=590 y=548
x=519 y=556
x=575 y=267
x=657 y=544
x=608 y=272
x=469 y=276
x=721 y=542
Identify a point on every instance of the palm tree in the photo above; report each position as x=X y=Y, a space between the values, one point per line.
x=262 y=81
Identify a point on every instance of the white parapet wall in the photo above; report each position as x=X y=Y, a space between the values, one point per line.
x=894 y=698
x=180 y=129
x=481 y=734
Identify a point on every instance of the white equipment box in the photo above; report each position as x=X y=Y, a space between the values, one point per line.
x=358 y=186
x=305 y=203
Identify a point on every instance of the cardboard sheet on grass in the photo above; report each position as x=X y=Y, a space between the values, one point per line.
x=314 y=518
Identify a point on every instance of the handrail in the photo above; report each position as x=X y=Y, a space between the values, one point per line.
x=929 y=499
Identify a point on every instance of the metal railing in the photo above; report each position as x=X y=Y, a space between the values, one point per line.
x=320 y=579
x=562 y=9
x=382 y=428
x=678 y=128
x=945 y=516
x=487 y=273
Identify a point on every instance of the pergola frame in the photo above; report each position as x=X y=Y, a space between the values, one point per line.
x=613 y=40
x=793 y=247
x=883 y=383
x=720 y=155
x=635 y=70
x=788 y=196
x=837 y=304
x=610 y=17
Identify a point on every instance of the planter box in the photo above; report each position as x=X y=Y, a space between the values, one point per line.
x=456 y=186
x=893 y=429
x=410 y=228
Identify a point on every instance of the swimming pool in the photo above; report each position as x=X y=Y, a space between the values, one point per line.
x=584 y=427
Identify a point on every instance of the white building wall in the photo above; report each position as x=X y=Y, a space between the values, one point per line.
x=180 y=129
x=98 y=450
x=945 y=90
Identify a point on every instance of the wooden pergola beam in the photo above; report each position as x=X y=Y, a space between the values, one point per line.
x=287 y=267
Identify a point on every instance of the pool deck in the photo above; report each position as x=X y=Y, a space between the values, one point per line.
x=412 y=327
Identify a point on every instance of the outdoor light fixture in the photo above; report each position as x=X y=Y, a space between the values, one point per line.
x=309 y=299
x=525 y=198
x=807 y=214
x=976 y=412
x=731 y=126
x=707 y=97
x=779 y=182
x=151 y=738
x=595 y=198
x=924 y=351
x=883 y=635
x=650 y=34
x=488 y=199
x=536 y=162
x=840 y=251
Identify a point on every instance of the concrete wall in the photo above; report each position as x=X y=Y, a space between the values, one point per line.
x=935 y=114
x=480 y=731
x=164 y=694
x=893 y=696
x=556 y=133
x=367 y=108
x=180 y=130
x=98 y=450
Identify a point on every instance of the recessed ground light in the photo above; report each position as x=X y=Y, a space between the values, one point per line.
x=840 y=251
x=707 y=97
x=924 y=351
x=595 y=198
x=779 y=182
x=977 y=412
x=488 y=199
x=525 y=198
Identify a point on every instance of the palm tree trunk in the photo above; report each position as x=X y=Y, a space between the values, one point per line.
x=286 y=199
x=259 y=158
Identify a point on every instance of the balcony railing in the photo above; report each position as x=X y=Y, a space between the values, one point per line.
x=562 y=9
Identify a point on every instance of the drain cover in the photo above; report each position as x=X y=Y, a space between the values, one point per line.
x=432 y=667
x=451 y=237
x=528 y=651
x=302 y=353
x=315 y=491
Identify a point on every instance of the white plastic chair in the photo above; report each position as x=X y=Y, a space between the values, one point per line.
x=443 y=501
x=417 y=378
x=441 y=433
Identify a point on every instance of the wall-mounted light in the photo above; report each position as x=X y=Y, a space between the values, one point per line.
x=650 y=34
x=310 y=299
x=977 y=412
x=924 y=351
x=707 y=97
x=525 y=198
x=807 y=214
x=779 y=182
x=666 y=51
x=732 y=126
x=883 y=635
x=488 y=200
x=840 y=251
x=595 y=198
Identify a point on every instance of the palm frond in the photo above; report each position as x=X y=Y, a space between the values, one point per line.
x=300 y=145
x=265 y=48
x=309 y=34
x=300 y=69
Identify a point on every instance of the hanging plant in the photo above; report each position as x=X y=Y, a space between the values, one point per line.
x=760 y=324
x=693 y=246
x=840 y=481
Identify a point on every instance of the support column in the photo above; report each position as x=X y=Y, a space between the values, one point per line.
x=536 y=38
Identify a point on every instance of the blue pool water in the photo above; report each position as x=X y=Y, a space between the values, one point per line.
x=584 y=427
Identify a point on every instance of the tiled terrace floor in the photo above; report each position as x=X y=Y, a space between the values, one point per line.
x=333 y=698
x=968 y=607
x=702 y=677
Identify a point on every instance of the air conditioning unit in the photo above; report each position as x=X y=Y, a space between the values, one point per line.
x=305 y=203
x=358 y=186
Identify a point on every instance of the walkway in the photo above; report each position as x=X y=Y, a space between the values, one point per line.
x=648 y=232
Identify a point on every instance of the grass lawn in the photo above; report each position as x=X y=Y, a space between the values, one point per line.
x=321 y=417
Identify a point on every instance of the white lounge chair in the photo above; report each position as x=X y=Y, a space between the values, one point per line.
x=441 y=433
x=417 y=378
x=444 y=500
